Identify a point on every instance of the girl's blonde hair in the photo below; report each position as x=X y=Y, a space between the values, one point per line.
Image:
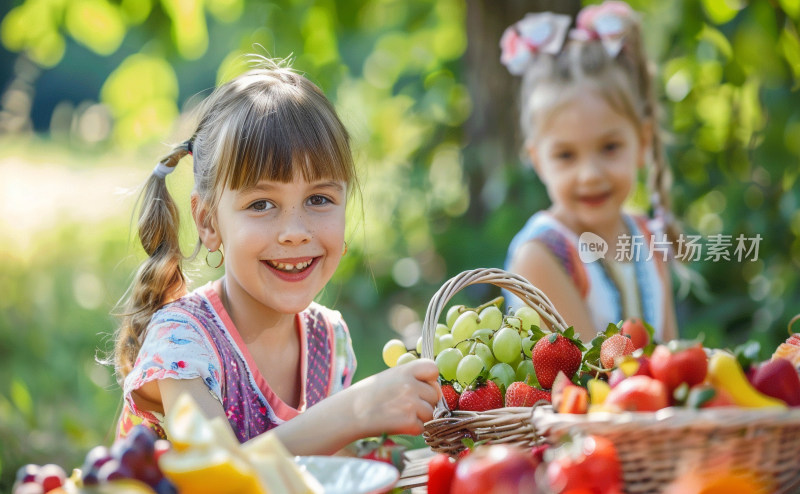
x=624 y=81
x=270 y=123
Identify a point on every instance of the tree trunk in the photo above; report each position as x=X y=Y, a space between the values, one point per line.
x=492 y=131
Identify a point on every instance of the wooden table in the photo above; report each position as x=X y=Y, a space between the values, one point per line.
x=415 y=472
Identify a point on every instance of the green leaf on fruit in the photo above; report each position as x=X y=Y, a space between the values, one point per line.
x=700 y=396
x=748 y=353
x=569 y=334
x=592 y=354
x=681 y=394
x=537 y=334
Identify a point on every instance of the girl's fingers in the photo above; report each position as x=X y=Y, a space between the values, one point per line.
x=425 y=412
x=429 y=394
x=425 y=370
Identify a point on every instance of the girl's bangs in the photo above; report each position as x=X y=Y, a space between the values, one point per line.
x=290 y=137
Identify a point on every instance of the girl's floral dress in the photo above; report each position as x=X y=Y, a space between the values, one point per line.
x=613 y=291
x=194 y=337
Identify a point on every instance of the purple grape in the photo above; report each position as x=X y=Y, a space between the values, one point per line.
x=113 y=470
x=27 y=473
x=120 y=446
x=164 y=486
x=132 y=458
x=90 y=478
x=150 y=474
x=143 y=439
x=95 y=458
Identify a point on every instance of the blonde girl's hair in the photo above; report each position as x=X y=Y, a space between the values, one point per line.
x=625 y=80
x=270 y=123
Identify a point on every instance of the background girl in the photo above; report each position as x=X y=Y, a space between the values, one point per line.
x=589 y=120
x=273 y=170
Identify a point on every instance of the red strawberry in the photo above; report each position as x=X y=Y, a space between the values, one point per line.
x=638 y=332
x=482 y=397
x=553 y=353
x=450 y=396
x=615 y=346
x=382 y=449
x=440 y=474
x=520 y=394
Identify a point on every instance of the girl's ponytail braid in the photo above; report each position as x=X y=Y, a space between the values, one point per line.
x=160 y=278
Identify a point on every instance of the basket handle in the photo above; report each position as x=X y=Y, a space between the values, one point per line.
x=514 y=283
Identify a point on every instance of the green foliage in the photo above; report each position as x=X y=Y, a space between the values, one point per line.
x=728 y=75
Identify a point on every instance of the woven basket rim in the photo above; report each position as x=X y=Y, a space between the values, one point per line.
x=671 y=418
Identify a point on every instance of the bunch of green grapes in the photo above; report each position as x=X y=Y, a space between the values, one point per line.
x=475 y=342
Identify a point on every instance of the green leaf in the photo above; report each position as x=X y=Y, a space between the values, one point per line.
x=681 y=394
x=748 y=353
x=612 y=329
x=721 y=12
x=96 y=24
x=537 y=334
x=21 y=398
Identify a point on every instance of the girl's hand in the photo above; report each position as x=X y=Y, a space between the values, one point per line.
x=398 y=400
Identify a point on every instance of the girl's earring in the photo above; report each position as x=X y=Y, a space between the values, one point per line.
x=345 y=248
x=221 y=258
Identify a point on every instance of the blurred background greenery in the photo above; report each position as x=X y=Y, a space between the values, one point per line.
x=93 y=91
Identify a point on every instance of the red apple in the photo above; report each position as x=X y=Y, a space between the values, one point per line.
x=636 y=329
x=679 y=362
x=778 y=378
x=594 y=467
x=638 y=394
x=495 y=469
x=441 y=469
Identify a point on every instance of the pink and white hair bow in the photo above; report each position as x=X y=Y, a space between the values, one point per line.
x=606 y=22
x=536 y=33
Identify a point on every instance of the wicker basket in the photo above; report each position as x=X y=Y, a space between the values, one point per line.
x=503 y=425
x=654 y=448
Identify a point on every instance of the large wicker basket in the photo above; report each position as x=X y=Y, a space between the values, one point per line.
x=653 y=448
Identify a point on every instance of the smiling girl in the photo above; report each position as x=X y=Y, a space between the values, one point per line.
x=273 y=171
x=589 y=121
